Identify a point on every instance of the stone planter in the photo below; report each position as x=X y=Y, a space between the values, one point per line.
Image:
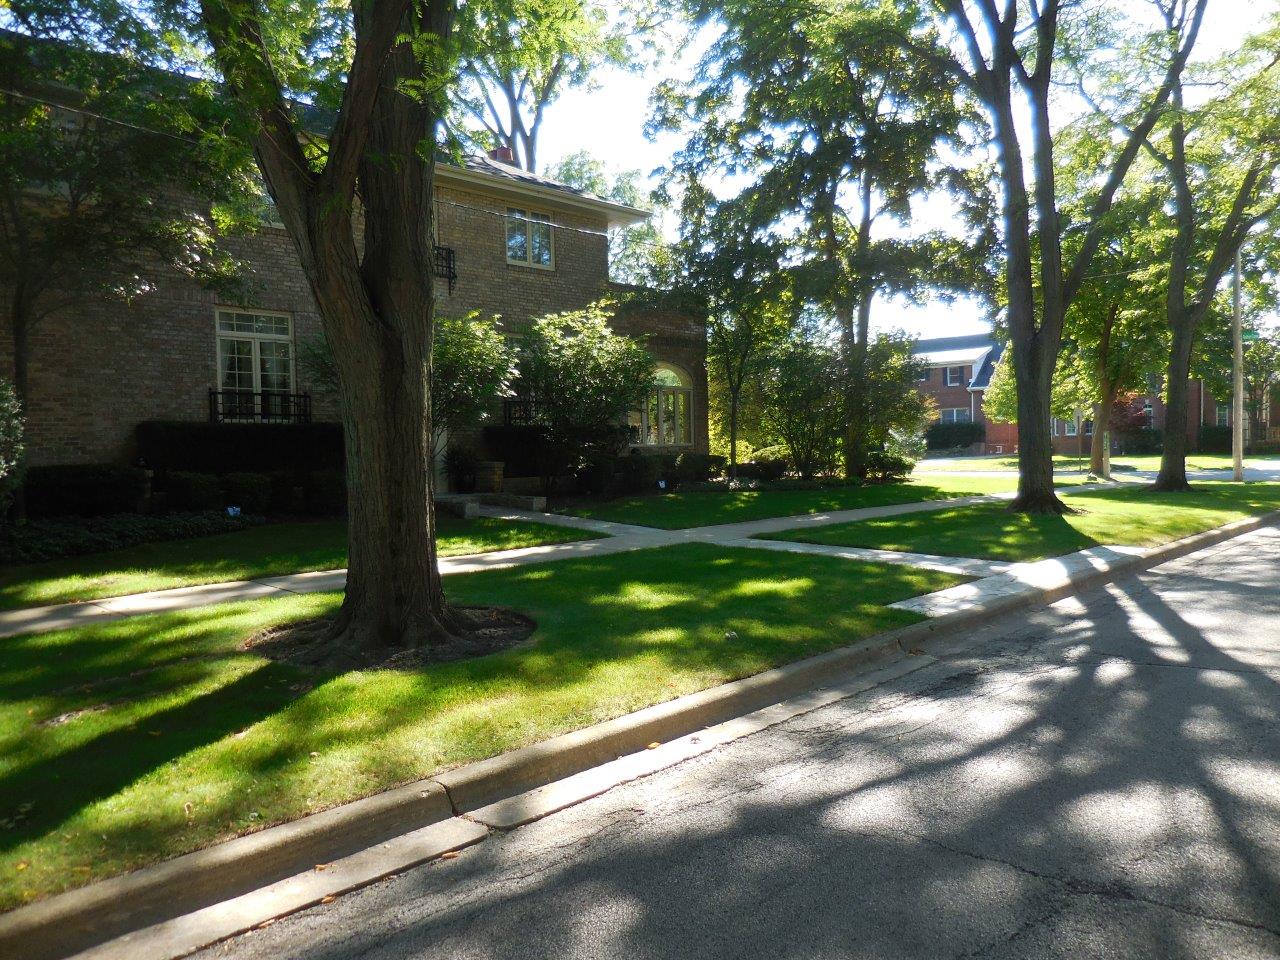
x=489 y=476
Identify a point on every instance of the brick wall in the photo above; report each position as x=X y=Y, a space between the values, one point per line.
x=99 y=368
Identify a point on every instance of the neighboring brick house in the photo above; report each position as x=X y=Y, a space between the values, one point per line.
x=509 y=243
x=958 y=371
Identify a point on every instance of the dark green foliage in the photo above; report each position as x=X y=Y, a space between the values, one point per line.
x=52 y=539
x=1213 y=439
x=884 y=467
x=240 y=447
x=189 y=490
x=518 y=446
x=766 y=471
x=251 y=492
x=949 y=436
x=1148 y=440
x=460 y=466
x=698 y=467
x=326 y=493
x=84 y=490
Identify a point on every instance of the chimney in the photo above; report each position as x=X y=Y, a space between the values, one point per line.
x=502 y=155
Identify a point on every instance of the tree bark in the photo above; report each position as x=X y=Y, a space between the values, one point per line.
x=1098 y=462
x=1173 y=459
x=856 y=436
x=733 y=431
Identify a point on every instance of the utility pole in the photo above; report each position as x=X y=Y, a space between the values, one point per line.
x=1237 y=386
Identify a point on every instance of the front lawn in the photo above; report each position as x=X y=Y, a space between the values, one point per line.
x=676 y=511
x=244 y=555
x=1133 y=516
x=128 y=742
x=1196 y=461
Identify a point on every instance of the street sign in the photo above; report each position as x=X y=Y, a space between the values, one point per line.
x=1249 y=336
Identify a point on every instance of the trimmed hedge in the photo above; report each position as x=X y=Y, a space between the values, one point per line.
x=84 y=490
x=885 y=467
x=766 y=471
x=224 y=448
x=1214 y=439
x=1147 y=440
x=948 y=436
x=40 y=540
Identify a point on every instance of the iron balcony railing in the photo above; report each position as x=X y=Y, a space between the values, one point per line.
x=247 y=406
x=446 y=266
x=517 y=412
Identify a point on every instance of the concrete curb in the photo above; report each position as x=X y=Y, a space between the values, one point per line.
x=207 y=879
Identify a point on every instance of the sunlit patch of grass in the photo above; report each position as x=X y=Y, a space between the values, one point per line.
x=264 y=551
x=199 y=740
x=1133 y=516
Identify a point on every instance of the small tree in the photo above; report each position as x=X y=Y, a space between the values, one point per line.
x=583 y=380
x=897 y=413
x=471 y=365
x=804 y=404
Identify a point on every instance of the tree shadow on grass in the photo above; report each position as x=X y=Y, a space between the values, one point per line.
x=1094 y=782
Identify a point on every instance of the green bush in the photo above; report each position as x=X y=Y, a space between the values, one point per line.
x=637 y=473
x=251 y=492
x=1147 y=440
x=239 y=447
x=767 y=471
x=698 y=467
x=949 y=436
x=188 y=490
x=53 y=539
x=84 y=490
x=884 y=467
x=326 y=493
x=1214 y=439
x=460 y=467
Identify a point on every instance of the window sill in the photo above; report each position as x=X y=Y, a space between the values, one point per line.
x=544 y=268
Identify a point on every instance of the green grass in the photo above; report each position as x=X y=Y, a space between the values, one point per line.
x=246 y=554
x=676 y=511
x=1196 y=461
x=1129 y=517
x=186 y=739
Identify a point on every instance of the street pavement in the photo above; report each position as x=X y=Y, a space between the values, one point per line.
x=1096 y=779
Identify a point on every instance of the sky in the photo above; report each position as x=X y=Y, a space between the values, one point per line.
x=608 y=122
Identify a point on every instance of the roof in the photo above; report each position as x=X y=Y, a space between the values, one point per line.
x=477 y=168
x=978 y=350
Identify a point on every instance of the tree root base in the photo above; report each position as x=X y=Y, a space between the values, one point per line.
x=323 y=644
x=1040 y=504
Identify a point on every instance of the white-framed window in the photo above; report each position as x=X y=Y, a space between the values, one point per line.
x=1070 y=426
x=955 y=376
x=955 y=415
x=666 y=419
x=530 y=242
x=255 y=359
x=1088 y=428
x=1223 y=414
x=1149 y=412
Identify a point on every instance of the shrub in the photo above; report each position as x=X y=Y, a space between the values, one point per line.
x=1148 y=440
x=884 y=467
x=948 y=436
x=518 y=446
x=84 y=490
x=239 y=447
x=1214 y=439
x=326 y=493
x=53 y=539
x=637 y=473
x=11 y=428
x=698 y=467
x=189 y=490
x=766 y=471
x=251 y=492
x=460 y=467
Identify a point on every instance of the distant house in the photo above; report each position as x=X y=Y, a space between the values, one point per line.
x=958 y=371
x=509 y=243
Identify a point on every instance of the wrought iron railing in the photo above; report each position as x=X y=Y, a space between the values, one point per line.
x=247 y=406
x=517 y=412
x=446 y=266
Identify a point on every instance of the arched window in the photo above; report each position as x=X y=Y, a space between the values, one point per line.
x=665 y=420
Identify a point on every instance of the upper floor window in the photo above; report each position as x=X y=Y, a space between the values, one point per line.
x=529 y=239
x=955 y=376
x=924 y=374
x=665 y=419
x=1223 y=415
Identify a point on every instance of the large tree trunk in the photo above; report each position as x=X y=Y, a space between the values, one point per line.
x=733 y=431
x=856 y=430
x=1173 y=461
x=1098 y=461
x=1033 y=376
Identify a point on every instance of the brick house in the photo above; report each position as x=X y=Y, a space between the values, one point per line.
x=509 y=243
x=958 y=371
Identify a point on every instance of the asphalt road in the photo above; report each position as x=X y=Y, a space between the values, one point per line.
x=1097 y=779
